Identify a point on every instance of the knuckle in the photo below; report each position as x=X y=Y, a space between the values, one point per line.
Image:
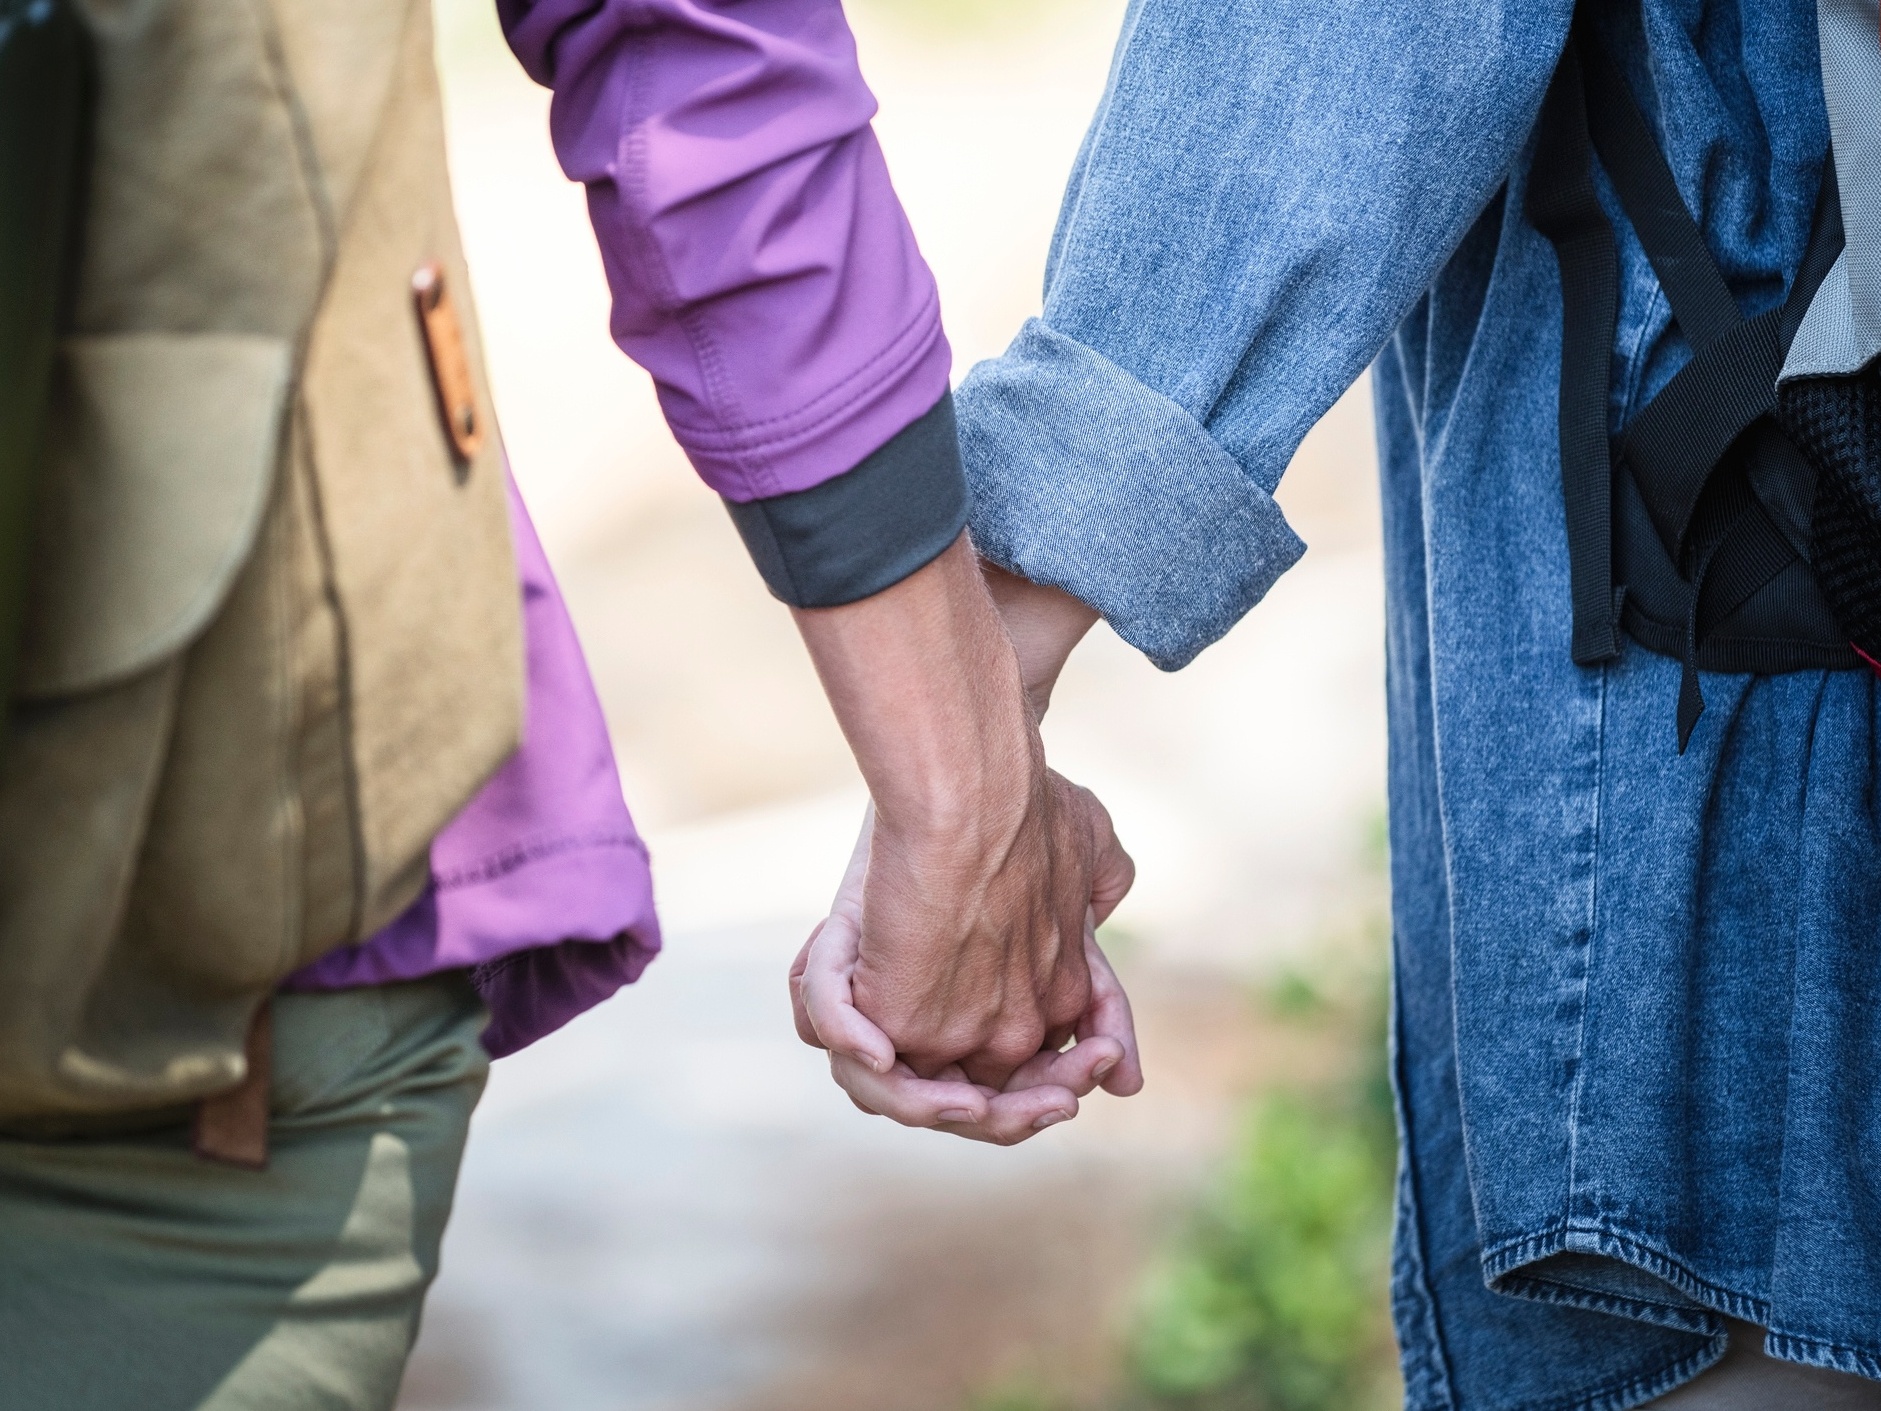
x=1070 y=996
x=1010 y=1050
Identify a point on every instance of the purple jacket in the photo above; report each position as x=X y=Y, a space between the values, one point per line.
x=764 y=274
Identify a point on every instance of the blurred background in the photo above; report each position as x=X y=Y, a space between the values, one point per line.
x=667 y=1206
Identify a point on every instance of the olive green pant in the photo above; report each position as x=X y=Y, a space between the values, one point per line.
x=135 y=1276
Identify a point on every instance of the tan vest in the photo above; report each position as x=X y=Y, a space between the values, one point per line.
x=274 y=642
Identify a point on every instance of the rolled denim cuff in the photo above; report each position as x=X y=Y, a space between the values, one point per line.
x=1083 y=478
x=868 y=528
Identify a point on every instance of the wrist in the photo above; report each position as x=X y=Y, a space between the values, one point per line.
x=1044 y=624
x=928 y=692
x=971 y=793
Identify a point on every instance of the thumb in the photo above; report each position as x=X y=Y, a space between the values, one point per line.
x=799 y=1014
x=826 y=991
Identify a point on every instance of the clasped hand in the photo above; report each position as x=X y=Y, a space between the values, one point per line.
x=948 y=979
x=960 y=957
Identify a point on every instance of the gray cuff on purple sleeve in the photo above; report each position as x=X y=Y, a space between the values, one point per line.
x=870 y=527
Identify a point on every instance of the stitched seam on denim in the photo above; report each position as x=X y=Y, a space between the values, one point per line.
x=1629 y=1248
x=1794 y=1347
x=1617 y=1305
x=1438 y=1353
x=1636 y=1390
x=728 y=436
x=509 y=859
x=1501 y=1261
x=1698 y=1320
x=1588 y=953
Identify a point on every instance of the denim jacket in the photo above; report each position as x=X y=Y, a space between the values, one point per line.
x=1637 y=1014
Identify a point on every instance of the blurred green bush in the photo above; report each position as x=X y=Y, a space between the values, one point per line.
x=1276 y=1298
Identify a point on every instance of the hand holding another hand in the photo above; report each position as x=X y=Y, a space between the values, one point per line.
x=1040 y=1092
x=959 y=958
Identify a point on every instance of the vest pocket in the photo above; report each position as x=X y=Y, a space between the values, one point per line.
x=162 y=452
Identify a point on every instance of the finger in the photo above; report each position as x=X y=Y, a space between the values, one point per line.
x=1113 y=871
x=901 y=1096
x=1013 y=1117
x=848 y=903
x=799 y=1014
x=829 y=1003
x=1006 y=1052
x=1078 y=1069
x=1109 y=1017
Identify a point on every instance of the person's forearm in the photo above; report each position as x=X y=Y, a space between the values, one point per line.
x=927 y=689
x=983 y=866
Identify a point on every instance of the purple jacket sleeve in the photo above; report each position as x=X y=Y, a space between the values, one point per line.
x=761 y=266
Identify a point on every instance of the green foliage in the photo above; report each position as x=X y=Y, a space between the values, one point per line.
x=1294 y=996
x=1018 y=1396
x=1276 y=1300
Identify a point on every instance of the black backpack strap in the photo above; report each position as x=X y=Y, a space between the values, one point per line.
x=1563 y=206
x=1678 y=439
x=1714 y=505
x=1701 y=301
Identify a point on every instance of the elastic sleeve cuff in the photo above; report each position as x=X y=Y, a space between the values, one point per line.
x=867 y=529
x=1083 y=478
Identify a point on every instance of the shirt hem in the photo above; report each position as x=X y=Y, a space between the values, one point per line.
x=1503 y=1264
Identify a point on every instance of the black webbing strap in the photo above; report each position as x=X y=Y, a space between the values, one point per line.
x=1680 y=436
x=1700 y=299
x=1712 y=538
x=1563 y=206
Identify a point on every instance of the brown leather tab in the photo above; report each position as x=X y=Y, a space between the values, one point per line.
x=232 y=1127
x=450 y=366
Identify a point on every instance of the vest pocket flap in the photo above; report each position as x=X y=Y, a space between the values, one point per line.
x=160 y=461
